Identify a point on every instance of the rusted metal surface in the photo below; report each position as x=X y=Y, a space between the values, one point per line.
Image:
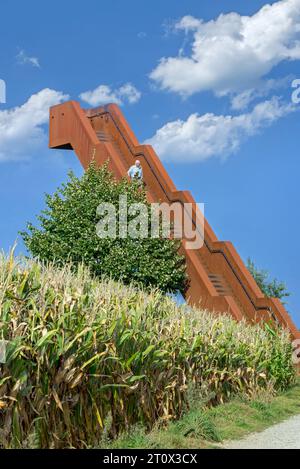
x=219 y=280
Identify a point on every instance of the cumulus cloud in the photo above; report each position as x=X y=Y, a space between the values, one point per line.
x=242 y=100
x=129 y=93
x=104 y=94
x=24 y=59
x=232 y=53
x=201 y=137
x=21 y=128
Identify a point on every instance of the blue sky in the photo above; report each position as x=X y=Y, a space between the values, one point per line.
x=217 y=108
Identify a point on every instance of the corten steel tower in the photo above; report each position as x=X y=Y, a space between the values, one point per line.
x=219 y=280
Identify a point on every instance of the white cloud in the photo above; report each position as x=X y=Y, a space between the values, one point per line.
x=21 y=131
x=130 y=93
x=242 y=100
x=104 y=94
x=24 y=59
x=232 y=53
x=205 y=136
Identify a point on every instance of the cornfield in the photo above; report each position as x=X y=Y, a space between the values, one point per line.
x=85 y=357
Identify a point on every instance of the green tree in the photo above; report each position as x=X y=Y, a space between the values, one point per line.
x=67 y=232
x=272 y=288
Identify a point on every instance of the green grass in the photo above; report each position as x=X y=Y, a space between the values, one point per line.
x=209 y=427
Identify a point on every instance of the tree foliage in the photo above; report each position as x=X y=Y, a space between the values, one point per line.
x=272 y=288
x=67 y=232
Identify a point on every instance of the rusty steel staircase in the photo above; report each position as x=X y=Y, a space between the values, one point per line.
x=219 y=280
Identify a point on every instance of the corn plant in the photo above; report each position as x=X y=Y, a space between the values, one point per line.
x=86 y=357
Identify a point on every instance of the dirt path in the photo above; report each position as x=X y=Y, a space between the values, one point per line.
x=285 y=435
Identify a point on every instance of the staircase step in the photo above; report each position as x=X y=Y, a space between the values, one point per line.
x=220 y=284
x=103 y=136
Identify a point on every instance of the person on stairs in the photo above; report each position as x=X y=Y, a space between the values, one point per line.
x=135 y=172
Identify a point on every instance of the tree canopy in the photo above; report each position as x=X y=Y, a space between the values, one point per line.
x=270 y=287
x=67 y=233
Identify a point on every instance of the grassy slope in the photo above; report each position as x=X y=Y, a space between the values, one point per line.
x=207 y=428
